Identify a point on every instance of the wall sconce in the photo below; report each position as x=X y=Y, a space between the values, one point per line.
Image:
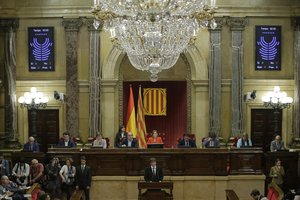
x=33 y=99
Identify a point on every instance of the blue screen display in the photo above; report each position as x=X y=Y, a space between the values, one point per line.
x=268 y=48
x=41 y=49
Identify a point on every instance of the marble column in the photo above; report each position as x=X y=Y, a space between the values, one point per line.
x=10 y=26
x=94 y=79
x=215 y=78
x=296 y=24
x=72 y=89
x=237 y=26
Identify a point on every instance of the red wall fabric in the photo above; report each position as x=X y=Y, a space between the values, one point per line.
x=174 y=125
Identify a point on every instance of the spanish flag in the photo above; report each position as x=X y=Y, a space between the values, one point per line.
x=130 y=117
x=141 y=125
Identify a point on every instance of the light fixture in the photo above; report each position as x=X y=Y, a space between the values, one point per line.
x=277 y=99
x=153 y=33
x=33 y=99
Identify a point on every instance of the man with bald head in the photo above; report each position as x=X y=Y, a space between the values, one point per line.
x=31 y=145
x=277 y=144
x=36 y=171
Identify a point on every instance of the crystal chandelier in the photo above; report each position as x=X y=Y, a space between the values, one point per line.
x=153 y=33
x=277 y=99
x=33 y=99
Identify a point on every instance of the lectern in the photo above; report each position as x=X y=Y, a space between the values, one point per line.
x=154 y=190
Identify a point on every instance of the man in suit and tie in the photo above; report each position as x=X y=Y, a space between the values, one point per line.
x=211 y=141
x=153 y=173
x=186 y=142
x=277 y=144
x=66 y=141
x=83 y=178
x=31 y=145
x=130 y=142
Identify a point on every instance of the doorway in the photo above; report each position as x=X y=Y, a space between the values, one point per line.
x=263 y=126
x=43 y=125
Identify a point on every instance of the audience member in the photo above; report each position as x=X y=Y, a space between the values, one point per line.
x=66 y=141
x=211 y=141
x=155 y=138
x=130 y=142
x=4 y=166
x=20 y=172
x=121 y=136
x=100 y=142
x=31 y=145
x=10 y=190
x=153 y=173
x=255 y=194
x=244 y=141
x=83 y=178
x=67 y=174
x=186 y=142
x=277 y=173
x=53 y=184
x=277 y=144
x=36 y=171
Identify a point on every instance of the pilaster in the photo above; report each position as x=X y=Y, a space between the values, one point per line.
x=72 y=90
x=237 y=26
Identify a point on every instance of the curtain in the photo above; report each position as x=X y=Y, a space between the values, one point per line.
x=174 y=124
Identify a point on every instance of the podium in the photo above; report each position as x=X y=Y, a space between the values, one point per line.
x=154 y=190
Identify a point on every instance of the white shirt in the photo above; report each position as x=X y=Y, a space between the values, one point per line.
x=101 y=143
x=21 y=171
x=64 y=171
x=66 y=143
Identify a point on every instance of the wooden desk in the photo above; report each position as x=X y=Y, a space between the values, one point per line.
x=175 y=162
x=154 y=190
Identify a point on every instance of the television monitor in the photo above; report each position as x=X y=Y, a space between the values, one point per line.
x=41 y=49
x=268 y=48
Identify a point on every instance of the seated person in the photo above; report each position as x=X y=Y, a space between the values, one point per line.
x=153 y=173
x=66 y=141
x=121 y=136
x=21 y=172
x=130 y=142
x=155 y=139
x=10 y=190
x=4 y=166
x=36 y=171
x=186 y=142
x=99 y=142
x=244 y=141
x=31 y=145
x=277 y=144
x=211 y=140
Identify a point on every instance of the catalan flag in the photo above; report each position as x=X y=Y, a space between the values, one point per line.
x=130 y=117
x=141 y=125
x=155 y=101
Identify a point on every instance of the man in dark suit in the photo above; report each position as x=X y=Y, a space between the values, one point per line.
x=130 y=142
x=31 y=145
x=153 y=173
x=66 y=141
x=83 y=178
x=186 y=142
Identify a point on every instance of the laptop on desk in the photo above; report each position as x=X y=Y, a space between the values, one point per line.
x=155 y=145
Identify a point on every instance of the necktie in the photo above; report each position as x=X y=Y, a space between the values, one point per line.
x=153 y=171
x=30 y=148
x=82 y=167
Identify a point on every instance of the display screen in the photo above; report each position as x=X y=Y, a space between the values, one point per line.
x=41 y=49
x=268 y=48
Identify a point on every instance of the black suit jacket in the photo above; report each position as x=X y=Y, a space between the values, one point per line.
x=149 y=176
x=83 y=178
x=191 y=143
x=119 y=138
x=134 y=143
